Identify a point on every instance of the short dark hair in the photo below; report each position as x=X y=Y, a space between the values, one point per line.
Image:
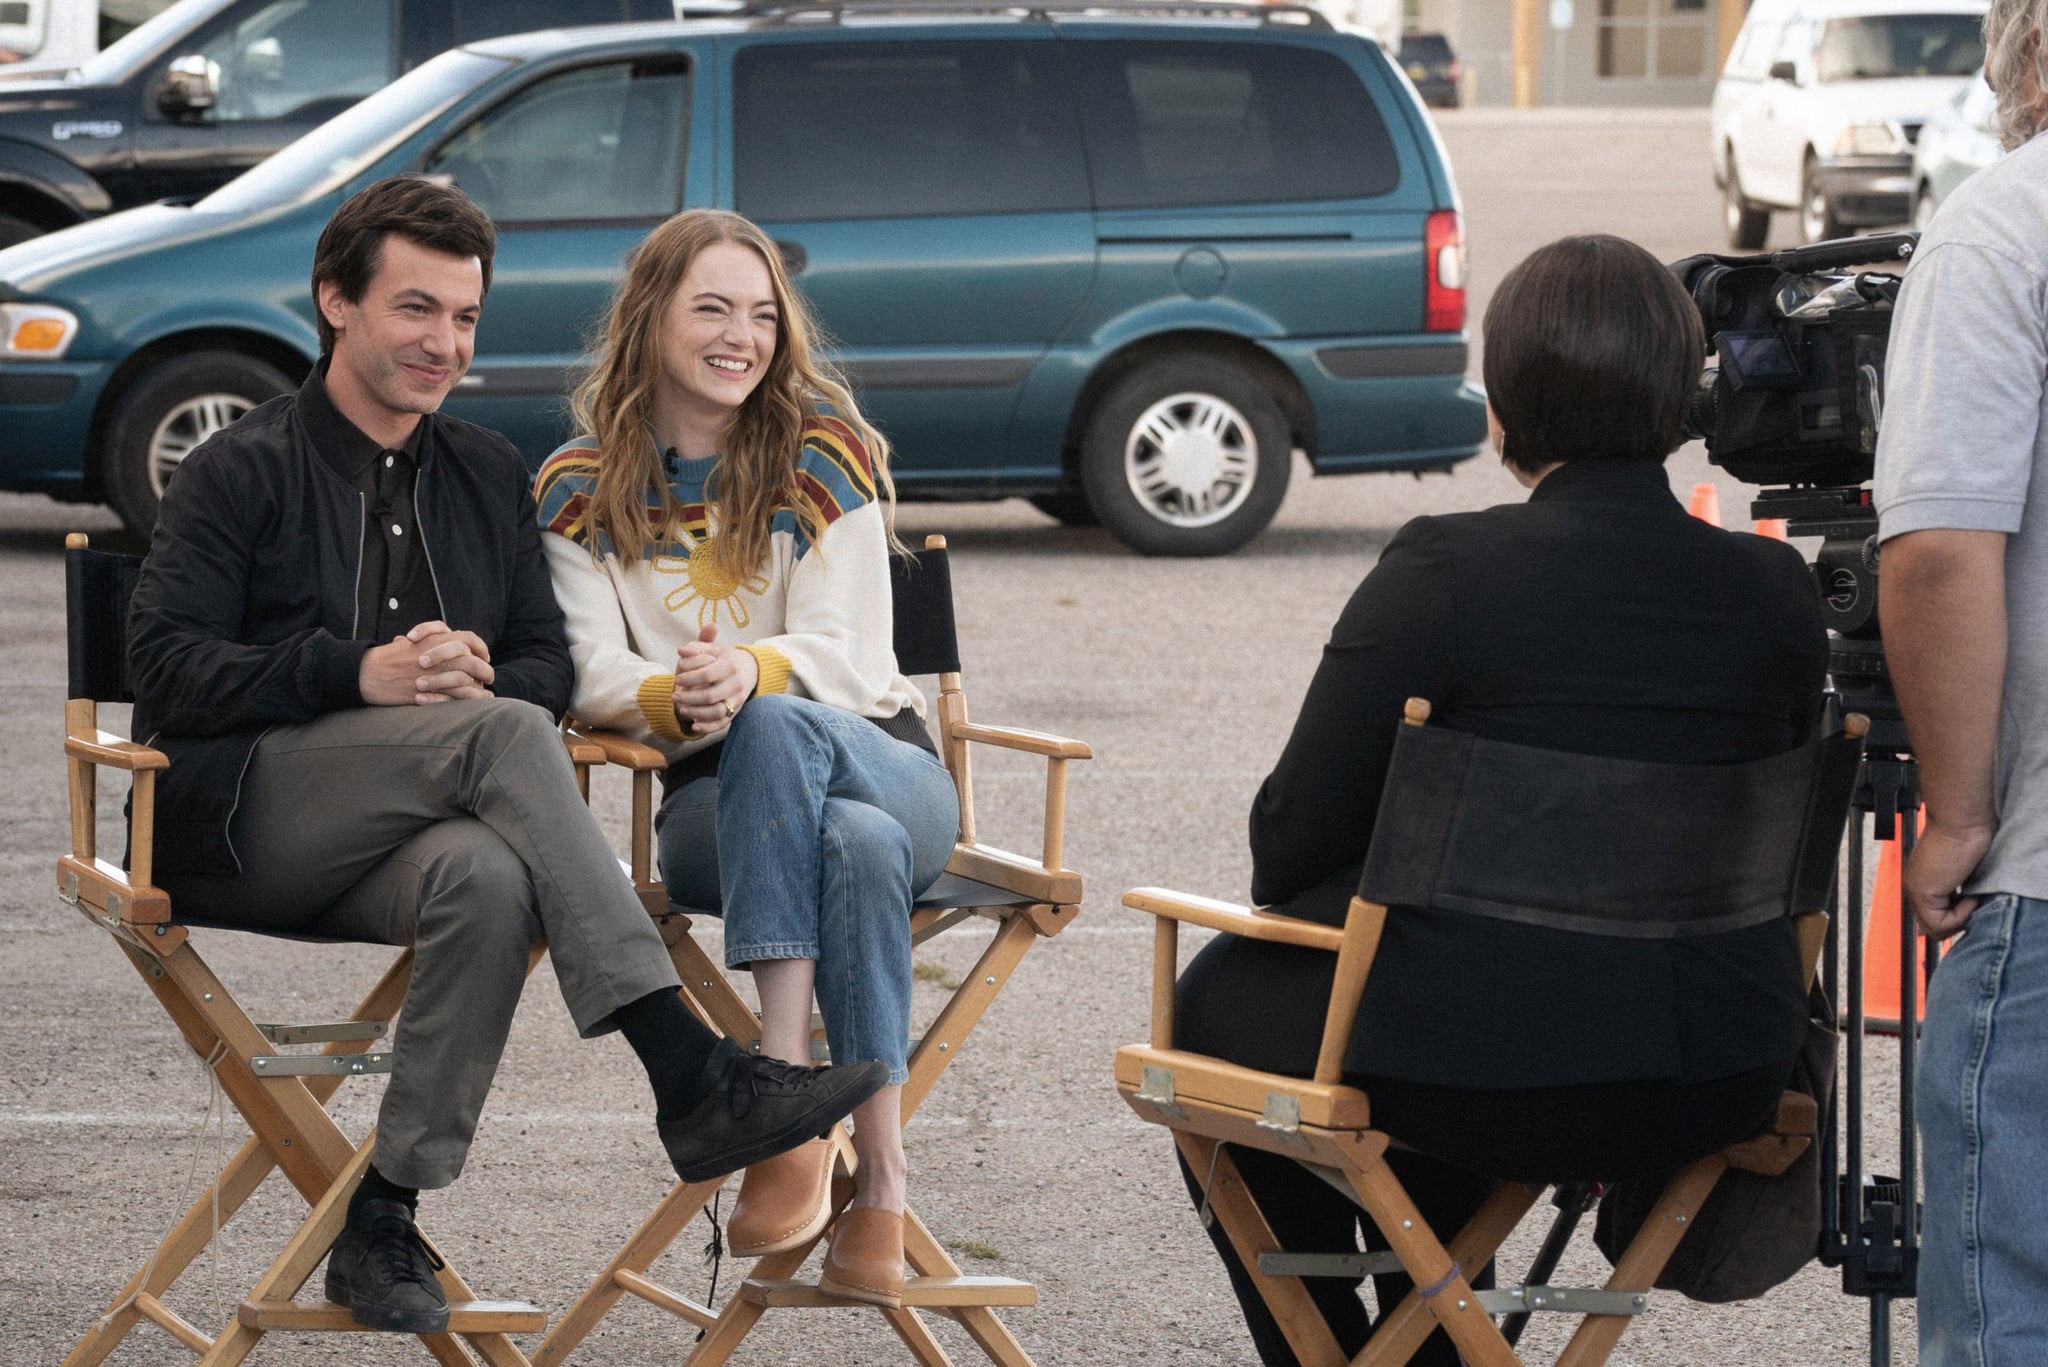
x=435 y=216
x=1593 y=349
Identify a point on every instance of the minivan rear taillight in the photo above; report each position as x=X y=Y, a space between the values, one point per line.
x=1443 y=285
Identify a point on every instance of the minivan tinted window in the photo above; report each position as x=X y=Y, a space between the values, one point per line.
x=1187 y=123
x=594 y=144
x=887 y=130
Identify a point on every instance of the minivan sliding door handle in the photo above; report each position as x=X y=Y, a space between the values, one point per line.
x=794 y=257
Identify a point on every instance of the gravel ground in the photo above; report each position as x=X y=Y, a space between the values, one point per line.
x=1183 y=675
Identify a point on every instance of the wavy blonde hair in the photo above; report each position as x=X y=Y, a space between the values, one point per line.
x=757 y=460
x=2013 y=47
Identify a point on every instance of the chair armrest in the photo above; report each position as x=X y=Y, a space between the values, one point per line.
x=1030 y=742
x=622 y=750
x=957 y=732
x=584 y=753
x=115 y=753
x=1238 y=920
x=1355 y=946
x=1015 y=873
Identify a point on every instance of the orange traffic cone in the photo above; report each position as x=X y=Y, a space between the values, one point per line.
x=1881 y=988
x=1773 y=527
x=1706 y=504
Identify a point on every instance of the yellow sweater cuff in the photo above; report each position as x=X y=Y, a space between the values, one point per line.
x=774 y=668
x=657 y=699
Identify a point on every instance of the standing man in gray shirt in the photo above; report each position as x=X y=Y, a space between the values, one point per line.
x=1962 y=496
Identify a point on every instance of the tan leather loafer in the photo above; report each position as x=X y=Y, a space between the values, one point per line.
x=865 y=1260
x=784 y=1201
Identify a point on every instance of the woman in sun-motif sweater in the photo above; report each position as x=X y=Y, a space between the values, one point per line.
x=719 y=540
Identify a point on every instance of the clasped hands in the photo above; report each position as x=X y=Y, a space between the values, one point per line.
x=713 y=682
x=431 y=663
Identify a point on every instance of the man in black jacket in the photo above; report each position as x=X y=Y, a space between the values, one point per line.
x=345 y=639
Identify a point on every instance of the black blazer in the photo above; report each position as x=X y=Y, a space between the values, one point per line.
x=245 y=614
x=1597 y=618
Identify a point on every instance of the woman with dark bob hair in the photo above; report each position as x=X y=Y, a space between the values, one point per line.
x=1595 y=618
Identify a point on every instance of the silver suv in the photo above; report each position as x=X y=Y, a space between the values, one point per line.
x=1820 y=104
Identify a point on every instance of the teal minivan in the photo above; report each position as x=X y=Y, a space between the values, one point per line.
x=1119 y=263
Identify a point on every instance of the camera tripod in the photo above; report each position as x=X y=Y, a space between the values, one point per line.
x=1870 y=1224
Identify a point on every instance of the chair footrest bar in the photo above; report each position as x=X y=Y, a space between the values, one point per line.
x=935 y=1292
x=1570 y=1300
x=318 y=1065
x=1328 y=1264
x=172 y=1323
x=322 y=1034
x=654 y=1293
x=464 y=1317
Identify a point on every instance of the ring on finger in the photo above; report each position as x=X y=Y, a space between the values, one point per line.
x=731 y=708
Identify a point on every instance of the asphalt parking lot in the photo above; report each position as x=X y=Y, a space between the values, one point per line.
x=1184 y=676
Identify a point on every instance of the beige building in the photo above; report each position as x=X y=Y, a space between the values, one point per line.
x=1528 y=53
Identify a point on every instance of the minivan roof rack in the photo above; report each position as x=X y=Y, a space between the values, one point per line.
x=833 y=11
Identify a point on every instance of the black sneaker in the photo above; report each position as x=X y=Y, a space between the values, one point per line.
x=383 y=1272
x=759 y=1107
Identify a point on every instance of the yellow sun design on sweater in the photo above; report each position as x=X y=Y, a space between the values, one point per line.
x=707 y=584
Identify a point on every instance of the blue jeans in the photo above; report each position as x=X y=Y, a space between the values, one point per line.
x=813 y=839
x=1982 y=1095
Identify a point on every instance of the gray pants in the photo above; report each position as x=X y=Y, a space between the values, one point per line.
x=457 y=829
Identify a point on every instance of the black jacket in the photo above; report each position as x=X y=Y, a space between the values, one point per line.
x=1596 y=618
x=245 y=616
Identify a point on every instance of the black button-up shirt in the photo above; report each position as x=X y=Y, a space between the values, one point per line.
x=395 y=588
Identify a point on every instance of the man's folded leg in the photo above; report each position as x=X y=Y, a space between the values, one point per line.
x=324 y=806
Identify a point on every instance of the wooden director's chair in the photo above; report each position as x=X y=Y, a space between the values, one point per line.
x=1686 y=841
x=282 y=1096
x=1028 y=900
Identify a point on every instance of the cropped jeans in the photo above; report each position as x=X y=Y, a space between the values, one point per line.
x=818 y=831
x=1983 y=1109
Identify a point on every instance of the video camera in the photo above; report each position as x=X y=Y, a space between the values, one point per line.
x=1793 y=404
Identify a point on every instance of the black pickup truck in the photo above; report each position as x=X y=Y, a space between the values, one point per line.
x=208 y=88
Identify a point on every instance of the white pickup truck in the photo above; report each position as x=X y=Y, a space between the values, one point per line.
x=44 y=38
x=1820 y=103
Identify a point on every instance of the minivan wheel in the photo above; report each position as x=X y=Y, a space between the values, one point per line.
x=166 y=413
x=1747 y=224
x=1817 y=221
x=1186 y=455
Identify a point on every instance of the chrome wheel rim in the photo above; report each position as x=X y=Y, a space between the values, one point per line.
x=1923 y=211
x=184 y=427
x=1731 y=203
x=1191 y=459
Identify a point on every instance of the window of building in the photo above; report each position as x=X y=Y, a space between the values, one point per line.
x=1644 y=39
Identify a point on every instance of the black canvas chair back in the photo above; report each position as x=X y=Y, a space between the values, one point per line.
x=279 y=1078
x=1023 y=899
x=921 y=588
x=1601 y=846
x=1605 y=847
x=97 y=588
